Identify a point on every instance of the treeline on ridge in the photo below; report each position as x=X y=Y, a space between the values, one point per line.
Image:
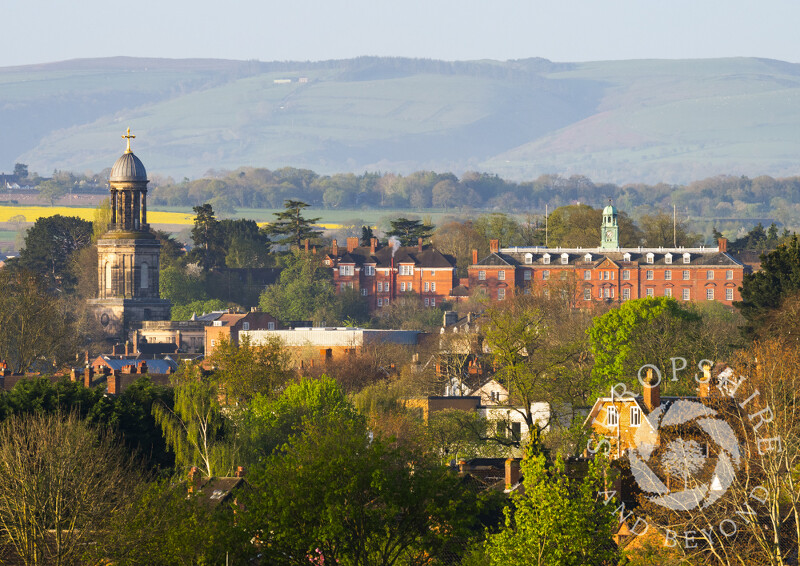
x=720 y=197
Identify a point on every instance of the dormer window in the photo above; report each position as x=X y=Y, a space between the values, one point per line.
x=650 y=257
x=564 y=258
x=587 y=258
x=687 y=257
x=546 y=259
x=626 y=257
x=668 y=258
x=529 y=258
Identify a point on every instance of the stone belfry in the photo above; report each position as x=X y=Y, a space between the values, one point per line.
x=128 y=254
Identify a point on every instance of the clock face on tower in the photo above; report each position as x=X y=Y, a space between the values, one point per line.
x=609 y=235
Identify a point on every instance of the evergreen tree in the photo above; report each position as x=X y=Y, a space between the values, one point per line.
x=409 y=231
x=290 y=227
x=207 y=238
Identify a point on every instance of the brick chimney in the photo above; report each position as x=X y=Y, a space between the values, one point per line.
x=73 y=375
x=113 y=383
x=474 y=257
x=494 y=246
x=195 y=479
x=651 y=392
x=87 y=376
x=335 y=248
x=723 y=245
x=462 y=466
x=143 y=367
x=419 y=244
x=373 y=245
x=305 y=243
x=352 y=243
x=704 y=387
x=512 y=472
x=240 y=472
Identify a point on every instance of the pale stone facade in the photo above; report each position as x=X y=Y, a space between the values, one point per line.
x=128 y=255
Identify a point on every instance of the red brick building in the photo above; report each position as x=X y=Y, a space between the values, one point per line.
x=381 y=274
x=608 y=272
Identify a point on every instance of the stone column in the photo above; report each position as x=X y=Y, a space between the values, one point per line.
x=144 y=207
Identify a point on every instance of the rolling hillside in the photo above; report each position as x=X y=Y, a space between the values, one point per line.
x=628 y=121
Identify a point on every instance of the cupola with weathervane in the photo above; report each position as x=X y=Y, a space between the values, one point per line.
x=128 y=253
x=609 y=232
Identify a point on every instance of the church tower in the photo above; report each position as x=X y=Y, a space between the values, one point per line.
x=128 y=254
x=609 y=231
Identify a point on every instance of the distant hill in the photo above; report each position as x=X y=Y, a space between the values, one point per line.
x=622 y=121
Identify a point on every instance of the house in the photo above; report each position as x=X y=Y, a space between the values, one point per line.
x=382 y=274
x=609 y=272
x=215 y=491
x=229 y=325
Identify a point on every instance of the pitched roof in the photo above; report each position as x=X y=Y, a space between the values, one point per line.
x=429 y=257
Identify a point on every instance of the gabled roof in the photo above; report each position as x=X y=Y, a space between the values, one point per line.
x=429 y=257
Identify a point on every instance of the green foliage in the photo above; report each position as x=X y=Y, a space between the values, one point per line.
x=499 y=226
x=127 y=414
x=662 y=230
x=52 y=191
x=195 y=428
x=351 y=500
x=559 y=521
x=407 y=312
x=304 y=292
x=578 y=225
x=409 y=231
x=182 y=286
x=49 y=246
x=271 y=421
x=245 y=370
x=290 y=227
x=208 y=243
x=643 y=331
x=38 y=328
x=779 y=277
x=171 y=249
x=21 y=170
x=166 y=527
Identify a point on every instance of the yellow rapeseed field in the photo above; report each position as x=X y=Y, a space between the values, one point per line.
x=32 y=213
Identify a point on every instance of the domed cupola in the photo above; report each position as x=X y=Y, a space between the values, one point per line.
x=128 y=182
x=128 y=168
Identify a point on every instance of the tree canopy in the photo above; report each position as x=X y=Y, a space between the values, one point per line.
x=290 y=227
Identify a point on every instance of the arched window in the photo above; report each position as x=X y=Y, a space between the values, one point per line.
x=145 y=276
x=108 y=275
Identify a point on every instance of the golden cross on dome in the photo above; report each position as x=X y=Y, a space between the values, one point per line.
x=128 y=137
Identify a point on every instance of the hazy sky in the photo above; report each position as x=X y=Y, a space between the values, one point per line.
x=38 y=31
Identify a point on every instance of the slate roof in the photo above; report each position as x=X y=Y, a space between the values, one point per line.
x=382 y=258
x=577 y=257
x=153 y=366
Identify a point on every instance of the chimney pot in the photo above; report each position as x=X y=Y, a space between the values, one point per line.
x=512 y=472
x=652 y=392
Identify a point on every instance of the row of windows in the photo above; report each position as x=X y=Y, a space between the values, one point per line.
x=686 y=294
x=404 y=286
x=349 y=270
x=608 y=275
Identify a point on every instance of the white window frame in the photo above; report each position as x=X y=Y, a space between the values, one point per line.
x=709 y=275
x=501 y=294
x=729 y=275
x=668 y=258
x=564 y=258
x=728 y=294
x=587 y=294
x=649 y=292
x=686 y=294
x=587 y=275
x=527 y=275
x=626 y=274
x=650 y=275
x=687 y=257
x=668 y=292
x=612 y=416
x=528 y=258
x=545 y=274
x=626 y=294
x=667 y=275
x=546 y=259
x=481 y=275
x=369 y=270
x=686 y=275
x=650 y=258
x=245 y=325
x=710 y=294
x=406 y=269
x=501 y=275
x=635 y=416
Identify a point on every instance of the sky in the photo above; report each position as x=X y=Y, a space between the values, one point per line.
x=41 y=31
